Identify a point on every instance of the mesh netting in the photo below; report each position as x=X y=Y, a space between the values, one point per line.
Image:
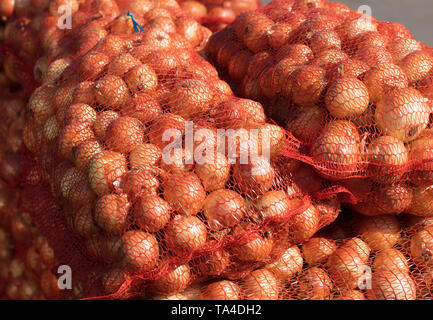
x=145 y=164
x=354 y=91
x=150 y=179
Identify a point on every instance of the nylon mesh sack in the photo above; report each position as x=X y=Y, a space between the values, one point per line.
x=354 y=91
x=129 y=222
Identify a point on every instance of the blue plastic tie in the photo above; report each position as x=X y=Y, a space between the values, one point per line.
x=137 y=26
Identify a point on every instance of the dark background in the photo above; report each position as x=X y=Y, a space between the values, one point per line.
x=416 y=15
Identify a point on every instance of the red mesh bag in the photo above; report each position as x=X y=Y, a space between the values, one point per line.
x=141 y=189
x=354 y=91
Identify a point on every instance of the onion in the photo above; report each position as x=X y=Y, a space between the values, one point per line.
x=421 y=247
x=356 y=27
x=374 y=56
x=300 y=54
x=387 y=156
x=238 y=64
x=224 y=208
x=137 y=183
x=189 y=29
x=113 y=45
x=417 y=65
x=274 y=204
x=403 y=114
x=346 y=267
x=113 y=279
x=140 y=250
x=75 y=188
x=177 y=161
x=279 y=34
x=111 y=91
x=185 y=233
x=152 y=213
x=122 y=64
x=103 y=121
x=347 y=98
x=72 y=136
x=260 y=284
x=317 y=250
x=191 y=97
x=391 y=260
x=330 y=58
x=83 y=222
x=173 y=281
x=392 y=199
x=161 y=124
x=111 y=213
x=337 y=150
x=380 y=232
x=184 y=193
x=323 y=40
x=254 y=33
x=104 y=169
x=384 y=77
x=305 y=224
x=84 y=153
x=41 y=104
x=308 y=84
x=214 y=174
x=306 y=122
x=221 y=290
x=287 y=265
x=315 y=284
x=391 y=285
x=402 y=47
x=213 y=264
x=257 y=247
x=350 y=295
x=351 y=68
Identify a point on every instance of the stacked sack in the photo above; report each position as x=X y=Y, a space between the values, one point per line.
x=356 y=94
x=354 y=91
x=129 y=222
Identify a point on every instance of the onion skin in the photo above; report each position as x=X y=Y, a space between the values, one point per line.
x=337 y=150
x=391 y=260
x=422 y=202
x=221 y=290
x=152 y=213
x=388 y=285
x=421 y=247
x=224 y=208
x=347 y=98
x=403 y=114
x=260 y=284
x=140 y=250
x=379 y=232
x=173 y=281
x=185 y=233
x=386 y=154
x=287 y=265
x=317 y=250
x=315 y=284
x=384 y=77
x=185 y=193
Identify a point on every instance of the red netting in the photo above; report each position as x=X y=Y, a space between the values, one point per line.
x=122 y=198
x=353 y=90
x=143 y=170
